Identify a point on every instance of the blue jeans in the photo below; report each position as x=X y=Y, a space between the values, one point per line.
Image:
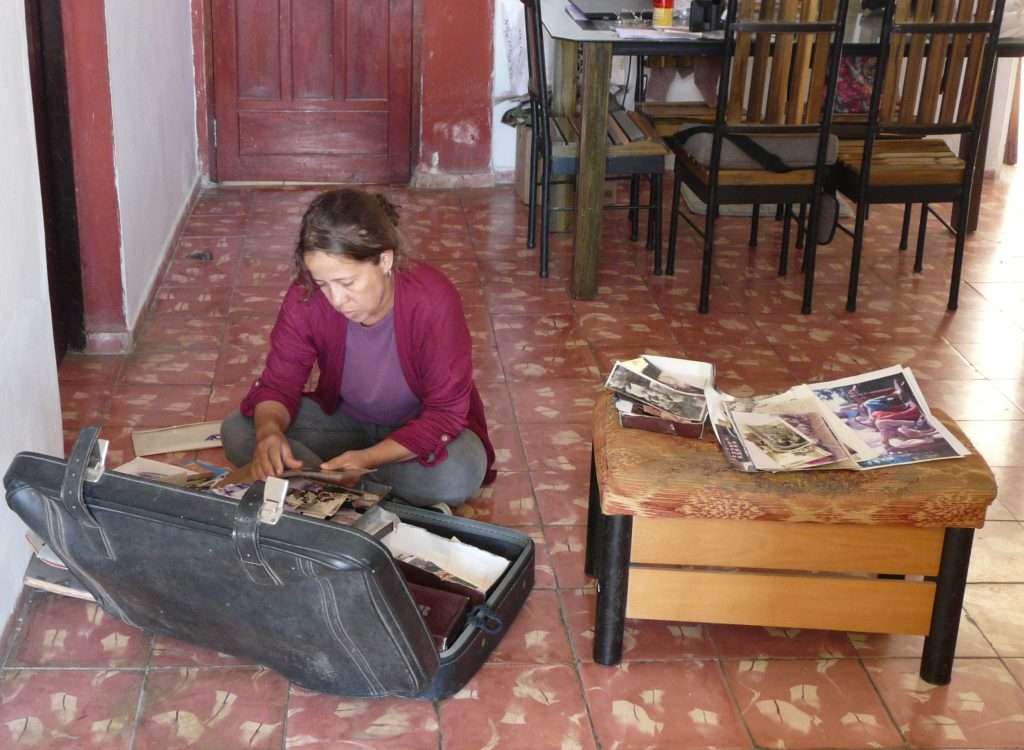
x=315 y=437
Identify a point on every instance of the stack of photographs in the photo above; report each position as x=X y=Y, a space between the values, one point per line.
x=866 y=421
x=662 y=394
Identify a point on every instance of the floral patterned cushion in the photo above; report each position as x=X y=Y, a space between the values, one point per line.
x=647 y=474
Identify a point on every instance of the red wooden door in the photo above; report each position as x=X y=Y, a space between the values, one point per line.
x=313 y=90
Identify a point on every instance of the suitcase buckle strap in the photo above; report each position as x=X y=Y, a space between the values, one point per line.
x=486 y=619
x=246 y=537
x=86 y=463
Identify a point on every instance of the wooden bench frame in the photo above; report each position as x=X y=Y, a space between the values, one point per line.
x=887 y=579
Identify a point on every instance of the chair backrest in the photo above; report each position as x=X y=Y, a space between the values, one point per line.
x=780 y=66
x=538 y=84
x=937 y=57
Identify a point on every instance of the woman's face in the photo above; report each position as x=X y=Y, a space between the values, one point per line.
x=361 y=290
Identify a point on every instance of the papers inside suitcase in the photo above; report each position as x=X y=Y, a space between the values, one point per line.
x=324 y=604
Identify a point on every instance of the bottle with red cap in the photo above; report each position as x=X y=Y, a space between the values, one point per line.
x=662 y=15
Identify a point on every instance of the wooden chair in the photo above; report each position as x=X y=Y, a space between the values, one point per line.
x=634 y=149
x=937 y=59
x=776 y=89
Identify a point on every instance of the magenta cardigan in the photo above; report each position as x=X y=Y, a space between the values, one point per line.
x=434 y=349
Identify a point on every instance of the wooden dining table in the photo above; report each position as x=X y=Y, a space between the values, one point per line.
x=599 y=42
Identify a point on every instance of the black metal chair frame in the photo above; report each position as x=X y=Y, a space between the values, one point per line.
x=861 y=190
x=542 y=148
x=713 y=194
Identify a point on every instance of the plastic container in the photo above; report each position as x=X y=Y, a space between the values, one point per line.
x=662 y=15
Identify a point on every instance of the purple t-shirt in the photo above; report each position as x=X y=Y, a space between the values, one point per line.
x=373 y=388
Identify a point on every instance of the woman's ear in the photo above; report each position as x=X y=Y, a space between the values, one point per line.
x=387 y=261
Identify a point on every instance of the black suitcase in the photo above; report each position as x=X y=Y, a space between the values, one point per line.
x=321 y=603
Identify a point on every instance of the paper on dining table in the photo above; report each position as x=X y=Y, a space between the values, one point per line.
x=647 y=32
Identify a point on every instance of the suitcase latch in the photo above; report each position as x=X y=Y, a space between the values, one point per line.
x=274 y=491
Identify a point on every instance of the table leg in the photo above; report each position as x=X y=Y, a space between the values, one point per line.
x=979 y=166
x=612 y=585
x=940 y=643
x=563 y=102
x=594 y=516
x=597 y=59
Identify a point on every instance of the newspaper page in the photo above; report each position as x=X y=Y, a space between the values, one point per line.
x=886 y=410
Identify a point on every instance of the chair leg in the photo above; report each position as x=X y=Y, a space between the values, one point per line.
x=634 y=208
x=531 y=228
x=673 y=227
x=905 y=232
x=545 y=221
x=654 y=220
x=801 y=218
x=753 y=225
x=921 y=228
x=787 y=218
x=778 y=212
x=958 y=252
x=858 y=246
x=709 y=248
x=650 y=215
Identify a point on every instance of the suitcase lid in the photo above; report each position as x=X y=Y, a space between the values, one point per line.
x=321 y=603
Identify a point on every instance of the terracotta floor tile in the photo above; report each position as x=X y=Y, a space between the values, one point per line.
x=178 y=332
x=64 y=632
x=518 y=331
x=562 y=497
x=617 y=328
x=508 y=450
x=537 y=635
x=89 y=369
x=551 y=361
x=214 y=226
x=68 y=710
x=507 y=502
x=682 y=704
x=203 y=264
x=998 y=610
x=236 y=707
x=554 y=400
x=211 y=301
x=516 y=707
x=566 y=549
x=999 y=442
x=170 y=652
x=810 y=703
x=158 y=405
x=970 y=399
x=746 y=642
x=642 y=640
x=543 y=570
x=969 y=643
x=1016 y=667
x=556 y=447
x=983 y=706
x=191 y=367
x=256 y=300
x=1011 y=490
x=327 y=722
x=998 y=553
x=487 y=367
x=225 y=400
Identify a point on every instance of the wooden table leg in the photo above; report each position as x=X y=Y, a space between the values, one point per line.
x=563 y=102
x=612 y=586
x=940 y=643
x=979 y=166
x=597 y=60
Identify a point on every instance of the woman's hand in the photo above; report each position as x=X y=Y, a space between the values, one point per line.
x=272 y=456
x=354 y=462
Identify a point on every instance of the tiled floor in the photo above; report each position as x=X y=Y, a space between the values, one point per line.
x=73 y=677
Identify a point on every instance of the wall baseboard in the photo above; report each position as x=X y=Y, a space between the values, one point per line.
x=425 y=179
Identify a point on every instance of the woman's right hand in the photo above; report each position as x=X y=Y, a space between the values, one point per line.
x=272 y=456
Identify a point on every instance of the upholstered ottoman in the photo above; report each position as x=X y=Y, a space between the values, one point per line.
x=675 y=534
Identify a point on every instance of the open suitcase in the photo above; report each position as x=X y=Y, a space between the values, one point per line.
x=321 y=603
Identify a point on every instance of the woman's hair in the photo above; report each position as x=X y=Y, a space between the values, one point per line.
x=347 y=222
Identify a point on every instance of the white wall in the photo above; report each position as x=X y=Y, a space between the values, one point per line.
x=29 y=400
x=152 y=92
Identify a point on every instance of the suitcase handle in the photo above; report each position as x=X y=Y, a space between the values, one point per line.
x=246 y=538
